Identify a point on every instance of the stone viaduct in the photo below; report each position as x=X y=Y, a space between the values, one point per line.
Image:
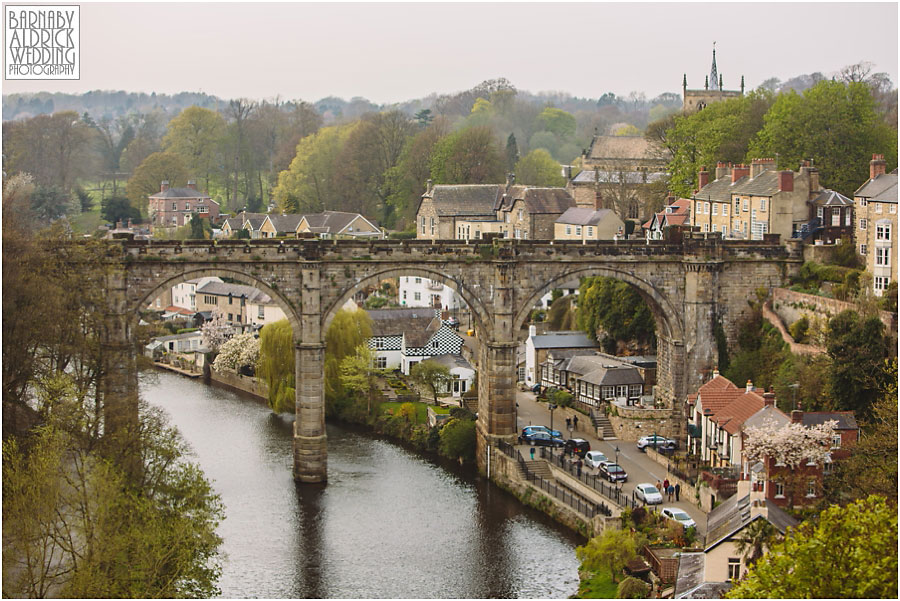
x=690 y=286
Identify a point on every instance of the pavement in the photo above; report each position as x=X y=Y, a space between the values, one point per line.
x=640 y=468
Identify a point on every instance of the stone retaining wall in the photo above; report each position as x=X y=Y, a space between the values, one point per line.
x=633 y=423
x=791 y=306
x=247 y=384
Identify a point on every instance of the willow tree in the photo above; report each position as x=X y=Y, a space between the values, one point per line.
x=347 y=331
x=276 y=364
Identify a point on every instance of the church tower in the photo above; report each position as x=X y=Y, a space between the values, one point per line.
x=713 y=90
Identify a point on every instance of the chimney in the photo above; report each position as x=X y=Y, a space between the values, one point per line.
x=757 y=166
x=813 y=175
x=796 y=416
x=877 y=166
x=769 y=399
x=786 y=181
x=510 y=180
x=722 y=169
x=119 y=224
x=130 y=223
x=532 y=330
x=739 y=171
x=703 y=178
x=192 y=184
x=749 y=386
x=429 y=186
x=715 y=372
x=164 y=185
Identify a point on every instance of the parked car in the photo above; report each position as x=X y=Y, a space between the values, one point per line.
x=541 y=439
x=680 y=516
x=657 y=442
x=613 y=472
x=594 y=458
x=453 y=323
x=579 y=446
x=648 y=493
x=554 y=433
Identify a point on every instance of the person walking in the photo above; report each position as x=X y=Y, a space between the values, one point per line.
x=575 y=422
x=659 y=487
x=677 y=491
x=665 y=487
x=569 y=424
x=579 y=463
x=532 y=453
x=671 y=492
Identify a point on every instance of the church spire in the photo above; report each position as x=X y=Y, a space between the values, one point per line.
x=713 y=72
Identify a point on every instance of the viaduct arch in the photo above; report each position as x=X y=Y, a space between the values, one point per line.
x=690 y=286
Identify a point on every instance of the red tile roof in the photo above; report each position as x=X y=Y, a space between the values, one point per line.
x=731 y=417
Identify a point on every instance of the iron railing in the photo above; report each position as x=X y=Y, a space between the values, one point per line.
x=605 y=488
x=572 y=499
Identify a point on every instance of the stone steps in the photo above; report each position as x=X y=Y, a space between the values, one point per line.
x=540 y=468
x=604 y=427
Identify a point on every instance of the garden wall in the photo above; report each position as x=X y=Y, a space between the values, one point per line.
x=633 y=423
x=239 y=382
x=791 y=306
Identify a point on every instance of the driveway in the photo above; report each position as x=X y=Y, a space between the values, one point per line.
x=637 y=465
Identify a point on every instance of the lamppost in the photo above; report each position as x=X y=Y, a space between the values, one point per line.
x=618 y=482
x=551 y=407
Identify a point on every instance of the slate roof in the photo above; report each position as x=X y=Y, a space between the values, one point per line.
x=564 y=340
x=465 y=199
x=883 y=188
x=395 y=322
x=285 y=223
x=182 y=193
x=418 y=337
x=235 y=290
x=255 y=222
x=613 y=376
x=331 y=222
x=719 y=190
x=451 y=361
x=830 y=198
x=766 y=415
x=735 y=513
x=184 y=336
x=584 y=216
x=766 y=183
x=845 y=419
x=707 y=590
x=543 y=201
x=690 y=573
x=589 y=176
x=622 y=147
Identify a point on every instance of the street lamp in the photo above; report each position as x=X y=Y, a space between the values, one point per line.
x=617 y=480
x=551 y=407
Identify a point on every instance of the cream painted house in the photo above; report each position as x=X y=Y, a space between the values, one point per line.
x=579 y=223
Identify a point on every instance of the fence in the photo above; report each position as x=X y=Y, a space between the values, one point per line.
x=607 y=489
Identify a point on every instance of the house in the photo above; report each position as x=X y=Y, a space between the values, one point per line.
x=416 y=291
x=338 y=224
x=173 y=207
x=713 y=90
x=172 y=312
x=403 y=337
x=253 y=223
x=709 y=574
x=579 y=223
x=441 y=207
x=234 y=300
x=832 y=214
x=538 y=346
x=177 y=343
x=530 y=213
x=875 y=207
x=280 y=226
x=462 y=374
x=184 y=295
x=747 y=202
x=595 y=379
x=262 y=310
x=127 y=230
x=232 y=225
x=677 y=212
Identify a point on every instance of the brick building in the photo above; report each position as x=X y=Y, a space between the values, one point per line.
x=174 y=207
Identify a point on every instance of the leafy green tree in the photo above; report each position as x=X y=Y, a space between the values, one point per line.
x=116 y=208
x=755 y=539
x=610 y=551
x=276 y=364
x=556 y=121
x=432 y=375
x=627 y=130
x=545 y=140
x=197 y=135
x=615 y=308
x=85 y=202
x=537 y=168
x=405 y=183
x=458 y=439
x=512 y=153
x=196 y=225
x=358 y=373
x=468 y=156
x=156 y=168
x=859 y=374
x=632 y=588
x=424 y=117
x=347 y=331
x=561 y=315
x=49 y=203
x=833 y=123
x=847 y=553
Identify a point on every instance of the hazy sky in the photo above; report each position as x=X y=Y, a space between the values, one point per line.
x=395 y=52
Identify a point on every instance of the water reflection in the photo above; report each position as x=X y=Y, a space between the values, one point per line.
x=388 y=523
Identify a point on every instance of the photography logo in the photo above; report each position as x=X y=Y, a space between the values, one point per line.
x=41 y=42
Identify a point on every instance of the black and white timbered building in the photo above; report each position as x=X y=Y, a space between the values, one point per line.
x=403 y=337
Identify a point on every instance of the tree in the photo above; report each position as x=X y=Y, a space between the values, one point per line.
x=216 y=331
x=512 y=153
x=632 y=588
x=755 y=539
x=469 y=156
x=406 y=182
x=118 y=208
x=424 y=117
x=276 y=364
x=609 y=551
x=237 y=352
x=239 y=110
x=196 y=225
x=556 y=121
x=357 y=373
x=49 y=203
x=561 y=315
x=432 y=375
x=834 y=124
x=196 y=135
x=348 y=330
x=847 y=553
x=156 y=168
x=457 y=439
x=858 y=349
x=537 y=168
x=615 y=308
x=85 y=202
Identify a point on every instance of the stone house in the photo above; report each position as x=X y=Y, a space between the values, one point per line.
x=233 y=225
x=875 y=208
x=283 y=226
x=677 y=212
x=441 y=207
x=833 y=214
x=579 y=223
x=746 y=202
x=530 y=213
x=174 y=207
x=232 y=300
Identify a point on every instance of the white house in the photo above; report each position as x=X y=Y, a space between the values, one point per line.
x=415 y=291
x=263 y=310
x=184 y=295
x=176 y=343
x=462 y=374
x=403 y=337
x=537 y=346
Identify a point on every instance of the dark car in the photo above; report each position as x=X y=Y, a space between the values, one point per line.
x=453 y=323
x=541 y=439
x=613 y=472
x=579 y=446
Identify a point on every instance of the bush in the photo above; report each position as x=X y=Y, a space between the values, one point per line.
x=458 y=440
x=889 y=298
x=632 y=588
x=799 y=329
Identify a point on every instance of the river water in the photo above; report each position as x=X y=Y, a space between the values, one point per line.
x=389 y=523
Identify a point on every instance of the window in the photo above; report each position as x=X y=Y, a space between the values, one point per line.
x=746 y=204
x=568 y=230
x=878 y=207
x=434 y=343
x=724 y=230
x=590 y=231
x=836 y=441
x=418 y=280
x=187 y=206
x=379 y=344
x=705 y=227
x=835 y=217
x=706 y=208
x=863 y=224
x=811 y=488
x=230 y=317
x=237 y=317
x=203 y=209
x=423 y=225
x=261 y=312
x=779 y=489
x=734 y=568
x=863 y=202
x=230 y=299
x=521 y=214
x=881 y=284
x=714 y=226
x=715 y=208
x=737 y=206
x=829 y=466
x=892 y=209
x=577 y=230
x=518 y=234
x=820 y=212
x=380 y=362
x=882 y=231
x=432 y=226
x=417 y=296
x=634 y=390
x=883 y=256
x=863 y=248
x=847 y=217
x=725 y=210
x=404 y=295
x=698 y=208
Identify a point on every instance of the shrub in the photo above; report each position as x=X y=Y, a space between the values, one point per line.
x=458 y=440
x=799 y=329
x=632 y=588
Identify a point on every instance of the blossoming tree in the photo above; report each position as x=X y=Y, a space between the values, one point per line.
x=237 y=352
x=216 y=331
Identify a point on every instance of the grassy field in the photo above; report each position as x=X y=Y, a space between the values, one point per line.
x=421 y=410
x=599 y=586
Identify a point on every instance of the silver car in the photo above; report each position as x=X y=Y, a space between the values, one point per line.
x=594 y=458
x=680 y=516
x=648 y=493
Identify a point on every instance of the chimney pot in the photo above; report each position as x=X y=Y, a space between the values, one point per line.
x=749 y=386
x=164 y=185
x=877 y=166
x=703 y=178
x=796 y=416
x=192 y=184
x=510 y=179
x=769 y=399
x=429 y=186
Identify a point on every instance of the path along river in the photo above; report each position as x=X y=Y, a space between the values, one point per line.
x=389 y=523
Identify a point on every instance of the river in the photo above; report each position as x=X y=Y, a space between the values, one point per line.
x=389 y=523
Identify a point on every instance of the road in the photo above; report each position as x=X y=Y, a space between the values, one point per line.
x=637 y=465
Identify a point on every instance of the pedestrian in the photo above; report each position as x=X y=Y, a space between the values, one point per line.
x=569 y=424
x=671 y=492
x=575 y=422
x=665 y=487
x=532 y=453
x=659 y=487
x=579 y=464
x=677 y=491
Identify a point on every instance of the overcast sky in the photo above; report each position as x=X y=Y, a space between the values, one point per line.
x=395 y=52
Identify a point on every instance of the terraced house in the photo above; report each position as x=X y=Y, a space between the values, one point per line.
x=876 y=223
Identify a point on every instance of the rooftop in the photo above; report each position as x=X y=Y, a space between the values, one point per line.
x=561 y=340
x=882 y=188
